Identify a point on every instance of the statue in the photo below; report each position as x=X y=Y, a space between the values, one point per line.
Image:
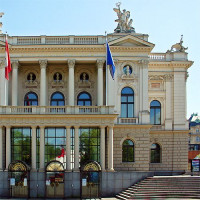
x=124 y=24
x=1 y=14
x=178 y=47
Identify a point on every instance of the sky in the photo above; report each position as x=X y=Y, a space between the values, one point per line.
x=163 y=20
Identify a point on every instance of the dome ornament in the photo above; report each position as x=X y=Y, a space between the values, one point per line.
x=124 y=24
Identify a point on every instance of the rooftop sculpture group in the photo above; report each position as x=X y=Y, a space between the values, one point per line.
x=178 y=47
x=124 y=23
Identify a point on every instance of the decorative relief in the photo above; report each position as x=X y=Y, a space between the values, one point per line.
x=2 y=63
x=71 y=63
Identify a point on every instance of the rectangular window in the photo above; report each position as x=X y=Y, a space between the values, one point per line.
x=89 y=145
x=21 y=144
x=55 y=141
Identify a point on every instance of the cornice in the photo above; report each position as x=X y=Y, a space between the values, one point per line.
x=134 y=126
x=81 y=48
x=169 y=132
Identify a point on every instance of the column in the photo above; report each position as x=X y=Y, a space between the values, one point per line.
x=8 y=147
x=43 y=89
x=110 y=149
x=68 y=149
x=33 y=148
x=2 y=83
x=100 y=82
x=71 y=64
x=42 y=148
x=15 y=65
x=102 y=146
x=1 y=147
x=76 y=148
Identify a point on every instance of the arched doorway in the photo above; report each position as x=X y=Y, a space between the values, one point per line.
x=19 y=179
x=90 y=180
x=55 y=179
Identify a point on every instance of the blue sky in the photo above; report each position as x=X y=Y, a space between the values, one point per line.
x=164 y=20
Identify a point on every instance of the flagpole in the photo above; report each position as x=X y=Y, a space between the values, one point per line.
x=5 y=80
x=106 y=71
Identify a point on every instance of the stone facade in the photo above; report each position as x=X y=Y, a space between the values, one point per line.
x=71 y=65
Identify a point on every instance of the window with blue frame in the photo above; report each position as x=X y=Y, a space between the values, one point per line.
x=155 y=112
x=31 y=99
x=127 y=102
x=57 y=99
x=84 y=99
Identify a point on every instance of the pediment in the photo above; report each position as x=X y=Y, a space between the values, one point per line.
x=131 y=41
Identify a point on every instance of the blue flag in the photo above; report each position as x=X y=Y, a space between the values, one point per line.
x=110 y=62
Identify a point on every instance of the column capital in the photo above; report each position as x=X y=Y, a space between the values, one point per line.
x=2 y=63
x=15 y=64
x=100 y=63
x=143 y=62
x=33 y=127
x=76 y=127
x=8 y=127
x=67 y=127
x=43 y=63
x=102 y=126
x=42 y=127
x=71 y=63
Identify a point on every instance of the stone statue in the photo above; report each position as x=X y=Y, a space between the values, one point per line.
x=124 y=24
x=178 y=47
x=1 y=14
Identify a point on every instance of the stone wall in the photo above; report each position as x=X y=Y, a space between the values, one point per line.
x=140 y=137
x=174 y=150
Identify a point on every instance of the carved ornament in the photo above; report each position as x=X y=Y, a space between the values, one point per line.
x=71 y=63
x=43 y=64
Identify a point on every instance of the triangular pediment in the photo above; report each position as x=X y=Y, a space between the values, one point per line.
x=131 y=41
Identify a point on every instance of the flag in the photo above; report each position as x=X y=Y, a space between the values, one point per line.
x=62 y=153
x=8 y=63
x=109 y=61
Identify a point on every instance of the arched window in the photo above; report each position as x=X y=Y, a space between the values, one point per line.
x=155 y=112
x=128 y=151
x=84 y=99
x=155 y=153
x=127 y=102
x=31 y=99
x=57 y=99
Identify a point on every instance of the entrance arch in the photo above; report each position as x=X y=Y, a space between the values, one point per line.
x=55 y=179
x=90 y=180
x=19 y=176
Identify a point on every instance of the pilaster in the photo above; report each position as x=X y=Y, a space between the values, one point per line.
x=42 y=147
x=76 y=148
x=110 y=148
x=33 y=148
x=68 y=149
x=8 y=147
x=102 y=147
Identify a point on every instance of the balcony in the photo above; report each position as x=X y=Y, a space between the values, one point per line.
x=127 y=120
x=57 y=110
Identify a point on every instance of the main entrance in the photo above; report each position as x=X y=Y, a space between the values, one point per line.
x=90 y=180
x=19 y=179
x=55 y=179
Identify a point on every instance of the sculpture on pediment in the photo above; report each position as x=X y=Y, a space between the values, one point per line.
x=178 y=47
x=124 y=23
x=1 y=14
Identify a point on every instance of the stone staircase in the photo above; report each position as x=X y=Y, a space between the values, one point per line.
x=164 y=187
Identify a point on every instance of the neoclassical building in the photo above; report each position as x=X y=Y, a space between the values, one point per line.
x=68 y=130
